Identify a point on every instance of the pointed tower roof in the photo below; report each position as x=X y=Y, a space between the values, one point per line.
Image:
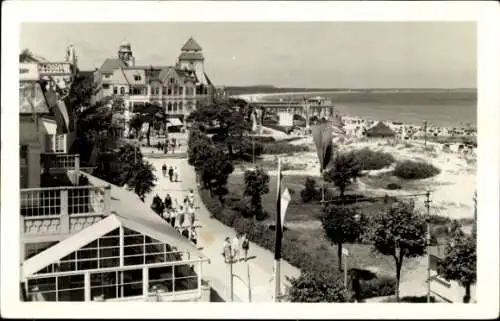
x=191 y=44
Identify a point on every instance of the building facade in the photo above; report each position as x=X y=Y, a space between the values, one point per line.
x=81 y=238
x=179 y=89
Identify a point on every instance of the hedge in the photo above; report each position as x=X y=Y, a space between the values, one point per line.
x=411 y=299
x=372 y=160
x=415 y=170
x=299 y=256
x=283 y=148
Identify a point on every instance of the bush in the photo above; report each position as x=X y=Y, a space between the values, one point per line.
x=292 y=250
x=379 y=286
x=393 y=186
x=415 y=170
x=283 y=148
x=317 y=287
x=310 y=191
x=372 y=160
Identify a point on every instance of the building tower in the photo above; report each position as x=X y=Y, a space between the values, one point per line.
x=191 y=58
x=125 y=54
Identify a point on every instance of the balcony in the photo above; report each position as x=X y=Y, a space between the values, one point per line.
x=62 y=210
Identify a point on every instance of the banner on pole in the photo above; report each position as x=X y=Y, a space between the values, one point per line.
x=285 y=200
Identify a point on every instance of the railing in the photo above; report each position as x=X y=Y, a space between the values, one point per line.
x=62 y=209
x=54 y=68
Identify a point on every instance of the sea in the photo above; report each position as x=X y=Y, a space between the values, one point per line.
x=451 y=108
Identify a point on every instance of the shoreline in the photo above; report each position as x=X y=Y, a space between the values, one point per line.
x=460 y=126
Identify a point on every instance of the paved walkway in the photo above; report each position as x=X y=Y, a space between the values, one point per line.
x=211 y=238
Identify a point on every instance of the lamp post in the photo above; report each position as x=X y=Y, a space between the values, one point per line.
x=428 y=238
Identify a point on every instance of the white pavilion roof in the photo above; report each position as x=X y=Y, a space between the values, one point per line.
x=127 y=210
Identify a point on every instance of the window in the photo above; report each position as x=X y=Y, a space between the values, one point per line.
x=164 y=90
x=169 y=108
x=181 y=91
x=105 y=86
x=23 y=158
x=137 y=77
x=180 y=106
x=175 y=107
x=115 y=90
x=169 y=91
x=122 y=90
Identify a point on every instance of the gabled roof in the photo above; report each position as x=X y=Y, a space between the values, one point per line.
x=119 y=77
x=190 y=45
x=191 y=56
x=127 y=210
x=111 y=64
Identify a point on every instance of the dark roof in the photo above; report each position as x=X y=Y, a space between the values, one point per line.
x=191 y=44
x=380 y=130
x=191 y=56
x=111 y=64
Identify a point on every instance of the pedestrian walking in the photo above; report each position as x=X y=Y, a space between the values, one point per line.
x=194 y=235
x=171 y=173
x=180 y=217
x=164 y=169
x=190 y=197
x=168 y=202
x=226 y=249
x=190 y=215
x=173 y=214
x=176 y=174
x=245 y=245
x=235 y=244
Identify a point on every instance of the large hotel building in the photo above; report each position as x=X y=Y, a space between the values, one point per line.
x=179 y=88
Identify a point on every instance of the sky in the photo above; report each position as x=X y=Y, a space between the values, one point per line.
x=416 y=54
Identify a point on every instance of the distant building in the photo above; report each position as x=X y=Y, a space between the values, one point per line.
x=180 y=89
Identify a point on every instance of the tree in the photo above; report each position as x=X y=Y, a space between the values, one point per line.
x=343 y=170
x=216 y=170
x=126 y=166
x=150 y=113
x=401 y=232
x=256 y=185
x=459 y=263
x=27 y=56
x=310 y=191
x=340 y=225
x=142 y=179
x=228 y=123
x=312 y=286
x=136 y=123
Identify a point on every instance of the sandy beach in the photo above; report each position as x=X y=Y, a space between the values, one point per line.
x=452 y=189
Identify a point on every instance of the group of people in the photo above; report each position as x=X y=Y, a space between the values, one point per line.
x=231 y=249
x=181 y=216
x=169 y=145
x=172 y=172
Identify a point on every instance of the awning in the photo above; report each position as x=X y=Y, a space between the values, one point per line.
x=49 y=125
x=174 y=122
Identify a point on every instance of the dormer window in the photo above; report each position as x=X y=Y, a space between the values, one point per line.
x=137 y=77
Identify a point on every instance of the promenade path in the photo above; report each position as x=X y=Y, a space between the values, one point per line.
x=211 y=239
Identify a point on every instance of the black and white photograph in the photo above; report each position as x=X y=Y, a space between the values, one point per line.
x=167 y=161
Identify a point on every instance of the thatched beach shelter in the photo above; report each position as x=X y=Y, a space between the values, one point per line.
x=380 y=130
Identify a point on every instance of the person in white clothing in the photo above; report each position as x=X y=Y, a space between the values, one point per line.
x=176 y=174
x=235 y=245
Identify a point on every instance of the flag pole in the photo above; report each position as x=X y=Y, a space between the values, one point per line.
x=277 y=249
